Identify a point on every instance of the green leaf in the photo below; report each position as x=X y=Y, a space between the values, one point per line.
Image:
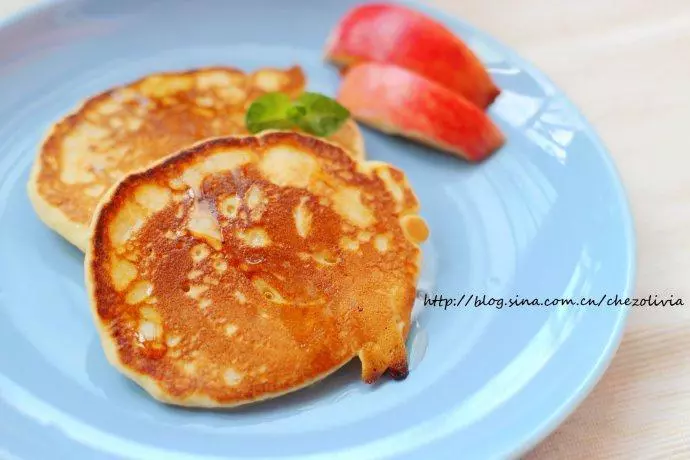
x=313 y=113
x=318 y=114
x=269 y=111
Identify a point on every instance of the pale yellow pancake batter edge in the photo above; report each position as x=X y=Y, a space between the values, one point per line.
x=52 y=216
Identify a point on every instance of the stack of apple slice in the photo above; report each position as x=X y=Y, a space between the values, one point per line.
x=408 y=75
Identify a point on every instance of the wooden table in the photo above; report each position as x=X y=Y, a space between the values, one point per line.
x=626 y=63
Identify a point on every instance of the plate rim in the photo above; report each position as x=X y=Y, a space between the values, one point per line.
x=559 y=414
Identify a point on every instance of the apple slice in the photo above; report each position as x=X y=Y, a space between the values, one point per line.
x=400 y=102
x=397 y=35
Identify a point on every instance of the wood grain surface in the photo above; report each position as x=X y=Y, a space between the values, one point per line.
x=626 y=64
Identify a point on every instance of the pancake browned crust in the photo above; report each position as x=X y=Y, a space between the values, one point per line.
x=126 y=128
x=241 y=269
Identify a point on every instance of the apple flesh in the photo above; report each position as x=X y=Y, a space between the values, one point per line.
x=400 y=102
x=397 y=35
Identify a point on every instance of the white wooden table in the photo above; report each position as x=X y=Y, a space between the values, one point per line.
x=626 y=63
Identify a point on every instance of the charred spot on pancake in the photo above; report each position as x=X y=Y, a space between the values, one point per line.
x=399 y=371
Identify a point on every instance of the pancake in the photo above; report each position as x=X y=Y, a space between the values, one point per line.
x=126 y=128
x=241 y=269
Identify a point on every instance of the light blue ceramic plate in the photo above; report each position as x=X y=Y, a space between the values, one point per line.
x=545 y=217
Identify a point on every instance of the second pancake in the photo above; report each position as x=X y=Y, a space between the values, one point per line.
x=129 y=127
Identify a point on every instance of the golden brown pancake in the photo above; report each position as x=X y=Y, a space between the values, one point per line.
x=127 y=128
x=241 y=269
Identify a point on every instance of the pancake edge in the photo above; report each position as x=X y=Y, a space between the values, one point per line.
x=360 y=153
x=52 y=216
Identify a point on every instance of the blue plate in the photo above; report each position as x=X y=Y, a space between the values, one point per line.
x=544 y=217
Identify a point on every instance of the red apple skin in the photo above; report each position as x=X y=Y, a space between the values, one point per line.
x=397 y=35
x=400 y=102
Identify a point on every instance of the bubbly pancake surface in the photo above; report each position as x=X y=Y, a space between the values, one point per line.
x=244 y=268
x=127 y=128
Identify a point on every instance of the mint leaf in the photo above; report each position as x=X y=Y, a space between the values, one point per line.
x=313 y=113
x=269 y=111
x=318 y=114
